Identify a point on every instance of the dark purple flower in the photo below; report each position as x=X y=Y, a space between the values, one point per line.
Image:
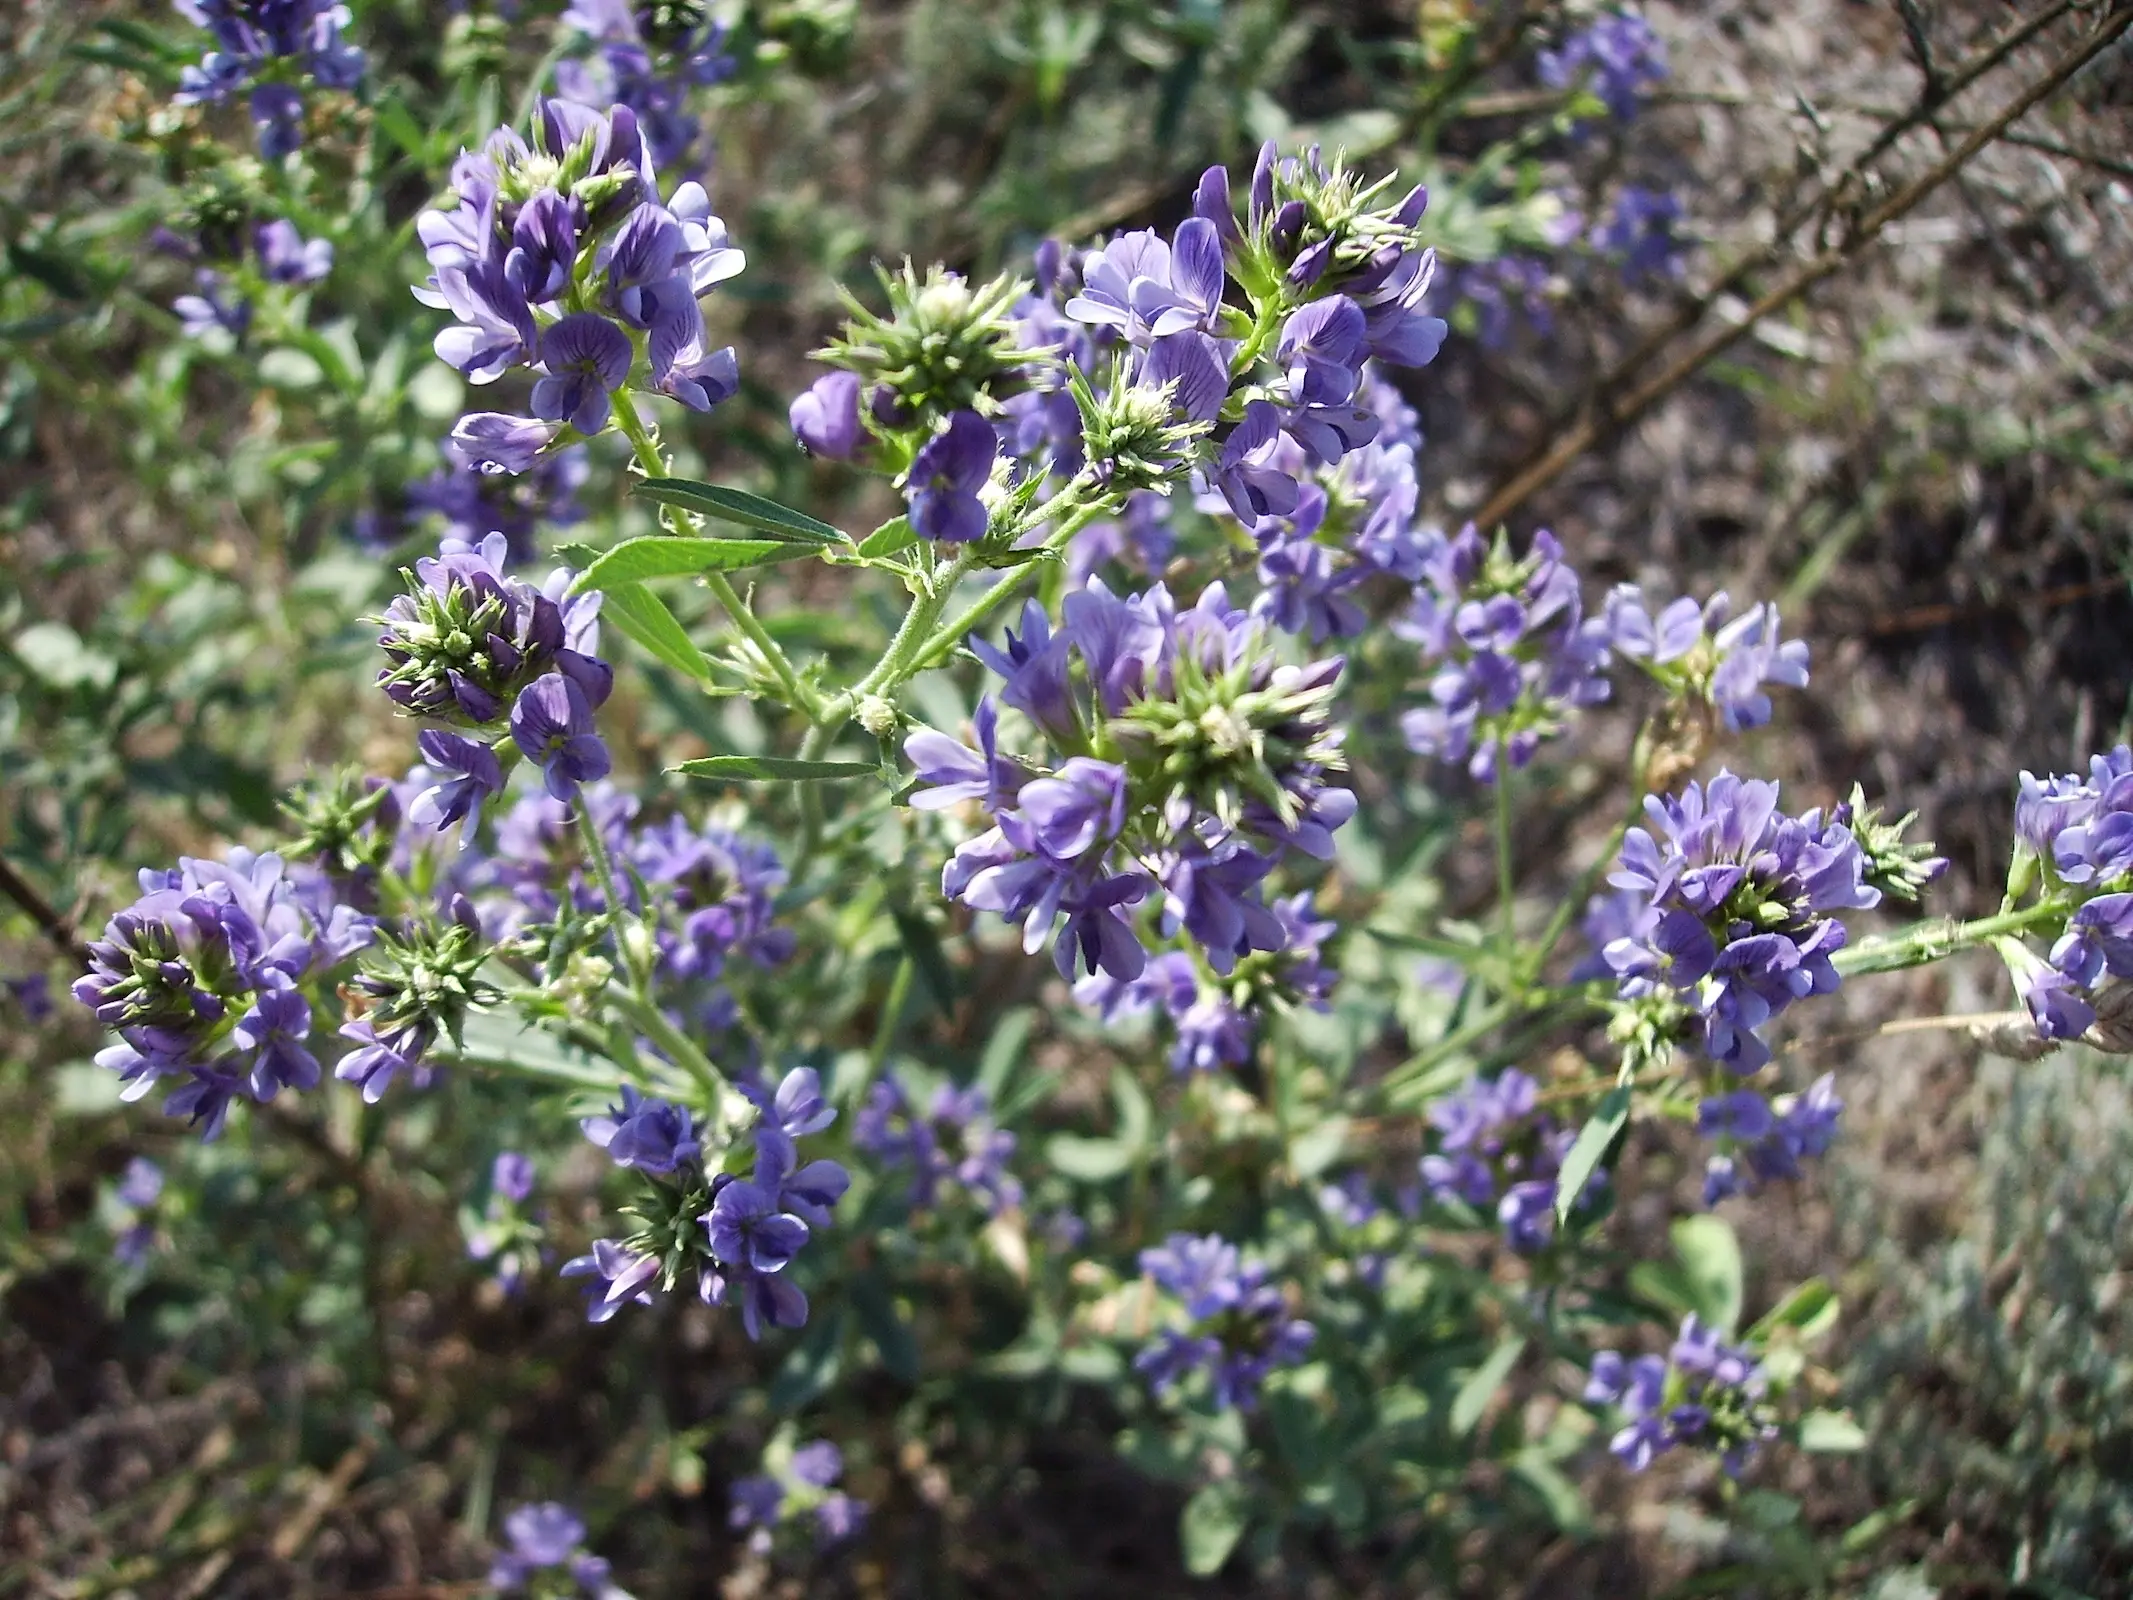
x=277 y=1031
x=945 y=477
x=647 y=1134
x=467 y=774
x=286 y=256
x=746 y=1228
x=277 y=119
x=544 y=248
x=512 y=1176
x=766 y=1299
x=622 y=1276
x=585 y=357
x=379 y=1058
x=552 y=724
x=497 y=442
x=826 y=418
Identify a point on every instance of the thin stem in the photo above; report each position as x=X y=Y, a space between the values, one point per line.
x=974 y=615
x=41 y=911
x=1506 y=879
x=797 y=694
x=604 y=875
x=678 y=1046
x=892 y=1013
x=1616 y=399
x=1926 y=942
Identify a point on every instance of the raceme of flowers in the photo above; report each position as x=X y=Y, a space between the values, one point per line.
x=954 y=1145
x=222 y=297
x=1703 y=1393
x=1236 y=1326
x=763 y=1502
x=1189 y=760
x=1737 y=908
x=652 y=58
x=1498 y=1154
x=269 y=48
x=738 y=1235
x=559 y=258
x=548 y=1539
x=2074 y=843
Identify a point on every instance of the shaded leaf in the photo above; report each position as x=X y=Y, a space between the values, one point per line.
x=1212 y=1523
x=643 y=618
x=1481 y=1385
x=774 y=769
x=739 y=506
x=1600 y=1136
x=1710 y=1257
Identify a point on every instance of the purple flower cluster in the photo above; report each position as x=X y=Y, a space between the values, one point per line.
x=1496 y=1151
x=220 y=301
x=466 y=642
x=651 y=58
x=1214 y=1019
x=740 y=1234
x=559 y=257
x=1618 y=58
x=549 y=1537
x=1238 y=1326
x=1506 y=290
x=1704 y=652
x=203 y=979
x=270 y=45
x=1764 y=1141
x=1194 y=761
x=1352 y=520
x=954 y=1142
x=1639 y=233
x=763 y=1501
x=715 y=895
x=1704 y=1393
x=2080 y=830
x=1511 y=651
x=1737 y=902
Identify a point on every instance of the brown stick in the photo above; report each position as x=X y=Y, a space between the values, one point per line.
x=1604 y=412
x=42 y=912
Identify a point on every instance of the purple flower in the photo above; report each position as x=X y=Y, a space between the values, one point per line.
x=511 y=1176
x=1081 y=806
x=551 y=722
x=647 y=1134
x=1147 y=289
x=379 y=1058
x=1245 y=472
x=756 y=1501
x=277 y=120
x=495 y=441
x=141 y=1185
x=765 y=1299
x=286 y=256
x=818 y=1465
x=839 y=1517
x=825 y=419
x=747 y=1230
x=585 y=357
x=1740 y=898
x=544 y=248
x=622 y=1275
x=1617 y=57
x=945 y=477
x=277 y=1030
x=1239 y=1327
x=1640 y=234
x=209 y=307
x=467 y=774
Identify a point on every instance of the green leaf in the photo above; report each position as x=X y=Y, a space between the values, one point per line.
x=1004 y=1051
x=738 y=505
x=1831 y=1432
x=1598 y=1137
x=56 y=653
x=890 y=537
x=774 y=769
x=1313 y=1152
x=1135 y=1114
x=1212 y=1523
x=1710 y=1255
x=1481 y=1385
x=923 y=945
x=643 y=618
x=637 y=560
x=398 y=124
x=1089 y=1160
x=1811 y=1308
x=812 y=1368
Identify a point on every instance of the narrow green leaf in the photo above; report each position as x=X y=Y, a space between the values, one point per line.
x=890 y=537
x=1831 y=1432
x=1481 y=1385
x=1811 y=1308
x=643 y=618
x=638 y=560
x=1565 y=1503
x=1135 y=1114
x=738 y=505
x=1710 y=1256
x=1602 y=1129
x=774 y=769
x=1212 y=1523
x=1005 y=1051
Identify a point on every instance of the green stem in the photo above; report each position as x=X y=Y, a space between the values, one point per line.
x=972 y=616
x=1506 y=882
x=1926 y=942
x=892 y=1012
x=549 y=1073
x=796 y=693
x=678 y=1046
x=604 y=875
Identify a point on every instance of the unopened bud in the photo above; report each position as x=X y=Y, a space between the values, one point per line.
x=878 y=716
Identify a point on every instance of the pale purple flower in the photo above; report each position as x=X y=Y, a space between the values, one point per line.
x=584 y=357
